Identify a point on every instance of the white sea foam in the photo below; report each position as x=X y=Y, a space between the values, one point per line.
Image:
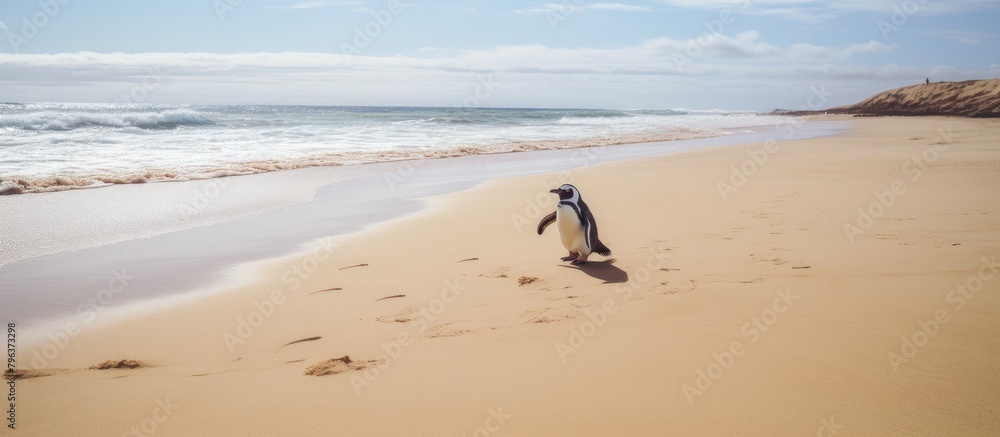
x=52 y=147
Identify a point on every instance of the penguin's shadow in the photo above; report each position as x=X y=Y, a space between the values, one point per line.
x=603 y=270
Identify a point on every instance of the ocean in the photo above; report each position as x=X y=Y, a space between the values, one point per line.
x=59 y=146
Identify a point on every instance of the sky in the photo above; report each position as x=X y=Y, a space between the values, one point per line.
x=655 y=54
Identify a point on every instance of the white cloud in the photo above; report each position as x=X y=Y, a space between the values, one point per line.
x=745 y=45
x=961 y=36
x=568 y=8
x=318 y=4
x=652 y=56
x=616 y=7
x=3 y=27
x=841 y=5
x=808 y=15
x=749 y=44
x=800 y=51
x=543 y=9
x=746 y=57
x=641 y=75
x=818 y=10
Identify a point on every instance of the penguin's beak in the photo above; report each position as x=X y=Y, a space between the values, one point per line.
x=554 y=191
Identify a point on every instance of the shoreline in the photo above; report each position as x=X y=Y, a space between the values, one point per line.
x=490 y=321
x=57 y=184
x=399 y=186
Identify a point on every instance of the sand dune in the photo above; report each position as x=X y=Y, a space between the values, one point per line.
x=971 y=98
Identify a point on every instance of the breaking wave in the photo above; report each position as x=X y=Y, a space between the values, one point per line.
x=64 y=121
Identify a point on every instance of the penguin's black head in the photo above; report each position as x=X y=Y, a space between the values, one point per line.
x=566 y=192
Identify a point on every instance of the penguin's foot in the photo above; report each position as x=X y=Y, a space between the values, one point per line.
x=582 y=259
x=572 y=256
x=577 y=262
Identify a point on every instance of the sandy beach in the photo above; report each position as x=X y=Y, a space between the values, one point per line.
x=834 y=286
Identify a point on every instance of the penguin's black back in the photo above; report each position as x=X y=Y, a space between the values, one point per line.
x=590 y=223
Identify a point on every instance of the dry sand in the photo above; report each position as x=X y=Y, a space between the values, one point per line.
x=793 y=325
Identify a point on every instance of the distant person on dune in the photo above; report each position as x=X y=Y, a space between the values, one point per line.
x=927 y=81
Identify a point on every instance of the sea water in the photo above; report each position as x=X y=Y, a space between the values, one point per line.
x=59 y=146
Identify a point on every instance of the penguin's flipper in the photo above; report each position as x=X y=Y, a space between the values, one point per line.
x=546 y=221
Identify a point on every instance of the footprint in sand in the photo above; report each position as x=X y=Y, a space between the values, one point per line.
x=339 y=365
x=300 y=341
x=442 y=330
x=762 y=258
x=31 y=373
x=403 y=316
x=498 y=273
x=552 y=299
x=120 y=364
x=550 y=314
x=354 y=266
x=525 y=280
x=681 y=287
x=395 y=296
x=323 y=291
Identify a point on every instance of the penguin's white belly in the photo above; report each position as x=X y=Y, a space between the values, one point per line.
x=571 y=231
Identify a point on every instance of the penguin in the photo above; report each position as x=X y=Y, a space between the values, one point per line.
x=577 y=227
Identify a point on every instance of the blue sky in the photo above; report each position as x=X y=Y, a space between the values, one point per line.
x=729 y=54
